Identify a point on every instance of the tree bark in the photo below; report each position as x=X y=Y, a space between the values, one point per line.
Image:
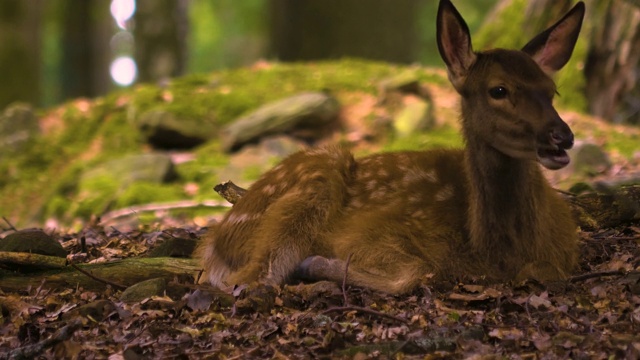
x=20 y=51
x=160 y=36
x=86 y=31
x=612 y=61
x=329 y=29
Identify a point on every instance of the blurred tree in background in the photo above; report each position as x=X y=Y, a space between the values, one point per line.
x=160 y=34
x=84 y=63
x=611 y=66
x=59 y=49
x=331 y=29
x=20 y=40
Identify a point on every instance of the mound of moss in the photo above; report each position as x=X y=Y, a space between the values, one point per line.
x=67 y=171
x=48 y=177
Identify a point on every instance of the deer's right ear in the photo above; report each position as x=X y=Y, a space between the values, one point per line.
x=454 y=43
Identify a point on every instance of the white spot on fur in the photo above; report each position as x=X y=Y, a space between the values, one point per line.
x=269 y=189
x=378 y=194
x=372 y=184
x=416 y=175
x=445 y=193
x=356 y=203
x=415 y=199
x=238 y=218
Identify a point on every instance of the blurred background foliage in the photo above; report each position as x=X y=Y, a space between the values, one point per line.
x=55 y=50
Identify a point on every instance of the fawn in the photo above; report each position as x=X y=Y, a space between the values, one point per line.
x=486 y=210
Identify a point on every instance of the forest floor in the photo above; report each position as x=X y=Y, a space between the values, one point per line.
x=595 y=314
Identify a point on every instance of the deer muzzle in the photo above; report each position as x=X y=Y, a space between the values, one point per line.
x=552 y=152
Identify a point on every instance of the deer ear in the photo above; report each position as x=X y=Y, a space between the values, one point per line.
x=552 y=48
x=454 y=43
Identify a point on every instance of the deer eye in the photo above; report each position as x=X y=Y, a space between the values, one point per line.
x=498 y=92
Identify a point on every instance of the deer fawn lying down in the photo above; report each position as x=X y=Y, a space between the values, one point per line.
x=486 y=210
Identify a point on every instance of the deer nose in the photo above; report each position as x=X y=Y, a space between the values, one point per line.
x=563 y=137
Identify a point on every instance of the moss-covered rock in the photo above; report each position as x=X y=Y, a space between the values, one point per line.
x=18 y=126
x=34 y=241
x=309 y=111
x=122 y=181
x=165 y=130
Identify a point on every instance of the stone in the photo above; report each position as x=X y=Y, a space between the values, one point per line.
x=153 y=167
x=34 y=241
x=416 y=115
x=165 y=130
x=304 y=111
x=18 y=125
x=589 y=159
x=143 y=290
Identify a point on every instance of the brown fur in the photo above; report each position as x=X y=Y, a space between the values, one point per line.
x=486 y=210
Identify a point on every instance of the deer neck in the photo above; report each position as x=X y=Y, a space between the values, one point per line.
x=504 y=195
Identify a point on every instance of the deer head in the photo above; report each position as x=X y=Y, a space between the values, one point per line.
x=507 y=94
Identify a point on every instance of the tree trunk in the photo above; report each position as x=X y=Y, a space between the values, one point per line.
x=160 y=37
x=86 y=31
x=611 y=66
x=20 y=51
x=326 y=29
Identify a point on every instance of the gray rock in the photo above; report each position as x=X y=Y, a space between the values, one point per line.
x=18 y=125
x=34 y=241
x=404 y=82
x=589 y=159
x=144 y=289
x=303 y=111
x=416 y=115
x=155 y=167
x=259 y=157
x=165 y=130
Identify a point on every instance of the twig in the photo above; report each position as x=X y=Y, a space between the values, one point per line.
x=344 y=280
x=365 y=310
x=587 y=276
x=115 y=214
x=11 y=227
x=31 y=351
x=230 y=191
x=104 y=281
x=577 y=321
x=83 y=245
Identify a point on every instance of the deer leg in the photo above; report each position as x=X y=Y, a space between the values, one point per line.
x=394 y=279
x=290 y=229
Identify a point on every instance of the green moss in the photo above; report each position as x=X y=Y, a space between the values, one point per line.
x=626 y=145
x=444 y=137
x=147 y=192
x=95 y=196
x=252 y=173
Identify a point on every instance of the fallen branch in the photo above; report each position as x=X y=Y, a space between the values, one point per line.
x=230 y=191
x=11 y=227
x=587 y=276
x=30 y=260
x=31 y=351
x=125 y=272
x=134 y=210
x=104 y=281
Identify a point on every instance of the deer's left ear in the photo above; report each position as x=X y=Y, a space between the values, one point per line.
x=454 y=43
x=552 y=48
